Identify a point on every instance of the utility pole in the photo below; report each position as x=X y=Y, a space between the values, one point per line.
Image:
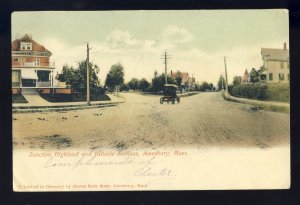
x=222 y=82
x=226 y=83
x=87 y=76
x=166 y=57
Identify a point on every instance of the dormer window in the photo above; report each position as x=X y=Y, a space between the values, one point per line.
x=26 y=46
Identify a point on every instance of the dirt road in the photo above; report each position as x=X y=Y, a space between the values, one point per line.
x=201 y=120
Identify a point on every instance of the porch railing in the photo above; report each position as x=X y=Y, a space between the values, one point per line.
x=43 y=84
x=34 y=64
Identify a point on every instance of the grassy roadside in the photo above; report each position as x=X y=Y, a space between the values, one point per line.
x=278 y=92
x=261 y=106
x=18 y=98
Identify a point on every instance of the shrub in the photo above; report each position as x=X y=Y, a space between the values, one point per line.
x=74 y=97
x=97 y=91
x=252 y=91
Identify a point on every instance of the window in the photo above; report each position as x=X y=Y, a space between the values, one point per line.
x=281 y=76
x=26 y=46
x=37 y=62
x=282 y=65
x=16 y=60
x=270 y=76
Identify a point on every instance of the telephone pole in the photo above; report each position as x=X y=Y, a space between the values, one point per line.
x=226 y=83
x=87 y=75
x=166 y=57
x=222 y=82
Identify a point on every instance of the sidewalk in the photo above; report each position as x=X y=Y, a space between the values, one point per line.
x=43 y=104
x=267 y=104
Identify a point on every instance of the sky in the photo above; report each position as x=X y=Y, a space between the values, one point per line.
x=196 y=40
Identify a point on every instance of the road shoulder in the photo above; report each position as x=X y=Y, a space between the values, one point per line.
x=266 y=105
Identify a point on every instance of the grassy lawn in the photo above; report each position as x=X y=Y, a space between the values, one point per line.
x=278 y=92
x=18 y=98
x=74 y=97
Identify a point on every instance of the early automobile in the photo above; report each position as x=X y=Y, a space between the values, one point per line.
x=170 y=94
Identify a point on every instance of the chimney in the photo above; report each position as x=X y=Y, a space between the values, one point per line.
x=284 y=46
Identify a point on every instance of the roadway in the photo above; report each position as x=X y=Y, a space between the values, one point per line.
x=202 y=120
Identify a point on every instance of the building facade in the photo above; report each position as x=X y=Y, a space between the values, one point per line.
x=276 y=66
x=31 y=66
x=187 y=80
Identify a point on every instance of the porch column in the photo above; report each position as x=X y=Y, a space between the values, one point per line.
x=51 y=79
x=36 y=80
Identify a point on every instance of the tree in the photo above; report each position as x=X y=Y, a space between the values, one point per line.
x=178 y=78
x=221 y=83
x=115 y=76
x=159 y=81
x=133 y=84
x=254 y=76
x=197 y=86
x=210 y=86
x=204 y=86
x=76 y=78
x=155 y=74
x=124 y=87
x=144 y=84
x=66 y=74
x=237 y=80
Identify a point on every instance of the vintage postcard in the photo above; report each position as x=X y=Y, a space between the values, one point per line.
x=150 y=100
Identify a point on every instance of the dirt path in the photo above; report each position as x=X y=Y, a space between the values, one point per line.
x=201 y=120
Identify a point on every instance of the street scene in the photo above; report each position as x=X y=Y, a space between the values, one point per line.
x=148 y=85
x=201 y=120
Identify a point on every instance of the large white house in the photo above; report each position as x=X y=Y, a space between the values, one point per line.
x=276 y=65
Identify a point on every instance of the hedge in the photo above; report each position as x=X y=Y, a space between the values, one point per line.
x=252 y=91
x=272 y=92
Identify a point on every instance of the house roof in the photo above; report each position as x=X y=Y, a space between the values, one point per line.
x=183 y=74
x=275 y=54
x=26 y=38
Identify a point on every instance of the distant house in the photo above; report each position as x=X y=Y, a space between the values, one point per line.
x=187 y=80
x=31 y=66
x=276 y=66
x=246 y=77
